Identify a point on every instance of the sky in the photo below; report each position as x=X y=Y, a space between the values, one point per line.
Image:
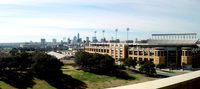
x=31 y=20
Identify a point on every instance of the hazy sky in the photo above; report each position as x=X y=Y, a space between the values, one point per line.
x=26 y=20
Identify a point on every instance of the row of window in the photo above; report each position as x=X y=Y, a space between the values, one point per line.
x=140 y=53
x=186 y=53
x=117 y=45
x=98 y=50
x=142 y=59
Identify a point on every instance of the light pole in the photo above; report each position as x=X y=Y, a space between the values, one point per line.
x=95 y=35
x=103 y=37
x=95 y=40
x=116 y=30
x=127 y=32
x=127 y=43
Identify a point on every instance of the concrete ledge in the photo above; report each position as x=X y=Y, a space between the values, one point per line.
x=184 y=81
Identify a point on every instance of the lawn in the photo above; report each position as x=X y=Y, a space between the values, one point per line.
x=94 y=81
x=91 y=80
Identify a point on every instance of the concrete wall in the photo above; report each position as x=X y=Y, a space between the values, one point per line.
x=184 y=81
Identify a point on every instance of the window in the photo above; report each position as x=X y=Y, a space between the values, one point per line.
x=135 y=53
x=135 y=58
x=186 y=53
x=145 y=59
x=140 y=59
x=104 y=50
x=130 y=52
x=151 y=59
x=145 y=53
x=107 y=51
x=159 y=53
x=140 y=53
x=151 y=53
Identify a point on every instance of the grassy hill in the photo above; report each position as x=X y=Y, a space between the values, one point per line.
x=90 y=80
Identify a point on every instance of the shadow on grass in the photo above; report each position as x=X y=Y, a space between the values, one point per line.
x=25 y=80
x=62 y=81
x=153 y=76
x=18 y=80
x=122 y=75
x=114 y=73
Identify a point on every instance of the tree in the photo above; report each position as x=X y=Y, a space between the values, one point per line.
x=25 y=60
x=14 y=51
x=161 y=66
x=130 y=62
x=106 y=64
x=148 y=68
x=94 y=62
x=44 y=65
x=83 y=59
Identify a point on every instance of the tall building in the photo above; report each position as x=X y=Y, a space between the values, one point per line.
x=94 y=39
x=87 y=39
x=68 y=41
x=79 y=40
x=168 y=49
x=43 y=43
x=103 y=40
x=54 y=41
x=75 y=40
x=64 y=39
x=78 y=36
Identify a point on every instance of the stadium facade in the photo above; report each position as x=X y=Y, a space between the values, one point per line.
x=168 y=49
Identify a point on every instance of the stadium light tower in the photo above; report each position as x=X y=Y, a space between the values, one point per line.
x=116 y=30
x=127 y=32
x=103 y=35
x=95 y=33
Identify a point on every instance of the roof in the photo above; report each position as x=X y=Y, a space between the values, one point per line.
x=171 y=42
x=57 y=55
x=174 y=34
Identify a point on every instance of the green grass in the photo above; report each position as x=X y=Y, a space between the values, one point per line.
x=41 y=84
x=5 y=86
x=86 y=76
x=92 y=81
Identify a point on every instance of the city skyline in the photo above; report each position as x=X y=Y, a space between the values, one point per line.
x=30 y=20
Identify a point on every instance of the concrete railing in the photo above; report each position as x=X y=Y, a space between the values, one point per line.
x=184 y=81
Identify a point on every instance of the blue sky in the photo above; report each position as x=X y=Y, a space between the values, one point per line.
x=30 y=20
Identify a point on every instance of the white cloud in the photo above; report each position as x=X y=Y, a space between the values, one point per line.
x=143 y=16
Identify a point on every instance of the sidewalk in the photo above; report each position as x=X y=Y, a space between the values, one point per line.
x=166 y=72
